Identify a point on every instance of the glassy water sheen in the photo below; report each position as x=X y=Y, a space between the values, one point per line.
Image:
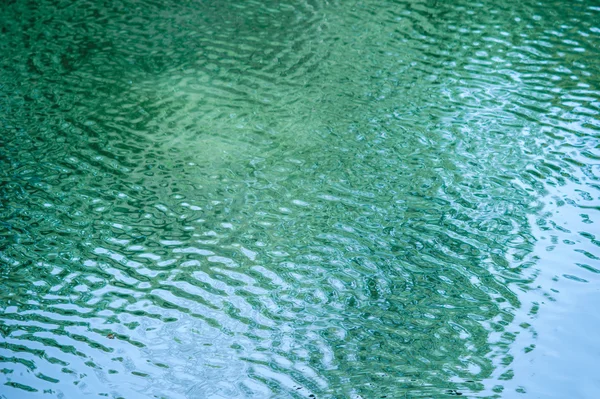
x=299 y=199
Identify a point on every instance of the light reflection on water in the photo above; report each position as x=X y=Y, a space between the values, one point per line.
x=291 y=199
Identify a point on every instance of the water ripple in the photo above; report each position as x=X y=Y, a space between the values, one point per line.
x=297 y=200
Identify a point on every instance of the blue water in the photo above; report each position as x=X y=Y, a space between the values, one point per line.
x=310 y=199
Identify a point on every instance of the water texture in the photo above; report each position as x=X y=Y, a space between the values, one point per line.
x=299 y=199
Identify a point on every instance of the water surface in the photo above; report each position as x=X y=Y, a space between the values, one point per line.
x=299 y=199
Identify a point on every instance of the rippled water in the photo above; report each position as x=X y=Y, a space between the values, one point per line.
x=299 y=199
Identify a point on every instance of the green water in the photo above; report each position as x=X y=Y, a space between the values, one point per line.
x=299 y=199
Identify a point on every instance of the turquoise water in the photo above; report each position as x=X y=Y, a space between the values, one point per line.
x=303 y=199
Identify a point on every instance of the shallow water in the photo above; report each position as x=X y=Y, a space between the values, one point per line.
x=299 y=199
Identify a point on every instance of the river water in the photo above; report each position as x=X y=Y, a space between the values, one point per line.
x=299 y=199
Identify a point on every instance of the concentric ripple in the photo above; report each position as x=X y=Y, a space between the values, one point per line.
x=308 y=199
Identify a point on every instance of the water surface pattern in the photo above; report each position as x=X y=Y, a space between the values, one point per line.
x=299 y=199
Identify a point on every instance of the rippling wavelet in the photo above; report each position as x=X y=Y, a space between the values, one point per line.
x=295 y=199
